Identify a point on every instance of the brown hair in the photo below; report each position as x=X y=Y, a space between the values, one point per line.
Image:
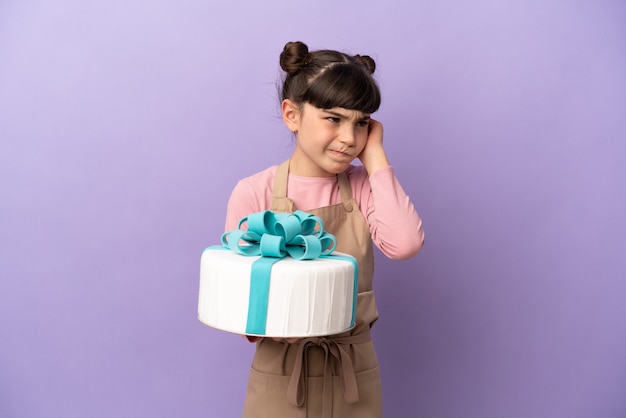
x=328 y=79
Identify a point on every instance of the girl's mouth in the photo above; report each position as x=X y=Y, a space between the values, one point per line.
x=340 y=154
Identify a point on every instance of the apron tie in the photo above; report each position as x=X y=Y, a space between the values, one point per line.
x=333 y=348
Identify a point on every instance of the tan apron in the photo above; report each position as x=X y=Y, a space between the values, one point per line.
x=329 y=377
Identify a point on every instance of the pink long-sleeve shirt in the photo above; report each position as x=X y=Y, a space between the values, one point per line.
x=394 y=224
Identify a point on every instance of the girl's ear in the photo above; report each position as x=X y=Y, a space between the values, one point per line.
x=291 y=115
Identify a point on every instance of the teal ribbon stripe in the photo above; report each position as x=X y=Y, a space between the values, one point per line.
x=273 y=236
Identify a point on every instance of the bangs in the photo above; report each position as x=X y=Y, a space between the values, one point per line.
x=346 y=86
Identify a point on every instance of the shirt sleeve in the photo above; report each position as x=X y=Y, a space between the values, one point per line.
x=250 y=195
x=395 y=225
x=243 y=201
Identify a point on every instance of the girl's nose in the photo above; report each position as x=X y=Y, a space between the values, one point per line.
x=348 y=136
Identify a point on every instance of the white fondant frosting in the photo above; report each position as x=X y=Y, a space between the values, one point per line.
x=306 y=298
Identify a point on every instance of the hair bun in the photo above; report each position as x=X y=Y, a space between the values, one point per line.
x=294 y=56
x=367 y=62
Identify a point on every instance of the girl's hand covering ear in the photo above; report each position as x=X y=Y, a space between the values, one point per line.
x=373 y=155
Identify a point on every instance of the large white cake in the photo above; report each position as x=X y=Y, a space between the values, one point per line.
x=305 y=298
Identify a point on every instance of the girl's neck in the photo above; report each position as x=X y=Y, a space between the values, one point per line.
x=306 y=168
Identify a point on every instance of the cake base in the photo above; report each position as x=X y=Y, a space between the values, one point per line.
x=306 y=298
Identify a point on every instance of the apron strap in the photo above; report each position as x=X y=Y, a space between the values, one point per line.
x=346 y=192
x=280 y=180
x=333 y=348
x=280 y=201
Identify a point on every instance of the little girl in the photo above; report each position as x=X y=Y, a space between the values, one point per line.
x=327 y=100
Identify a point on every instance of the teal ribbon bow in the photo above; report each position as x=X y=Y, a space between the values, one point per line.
x=274 y=236
x=300 y=235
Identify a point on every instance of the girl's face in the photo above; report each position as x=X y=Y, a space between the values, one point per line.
x=327 y=140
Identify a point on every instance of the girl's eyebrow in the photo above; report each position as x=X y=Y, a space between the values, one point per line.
x=342 y=116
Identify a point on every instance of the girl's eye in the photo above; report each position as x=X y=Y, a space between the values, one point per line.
x=333 y=119
x=362 y=123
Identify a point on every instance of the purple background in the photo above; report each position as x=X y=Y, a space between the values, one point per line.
x=125 y=124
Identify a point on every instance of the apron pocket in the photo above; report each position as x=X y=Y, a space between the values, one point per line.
x=370 y=404
x=267 y=396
